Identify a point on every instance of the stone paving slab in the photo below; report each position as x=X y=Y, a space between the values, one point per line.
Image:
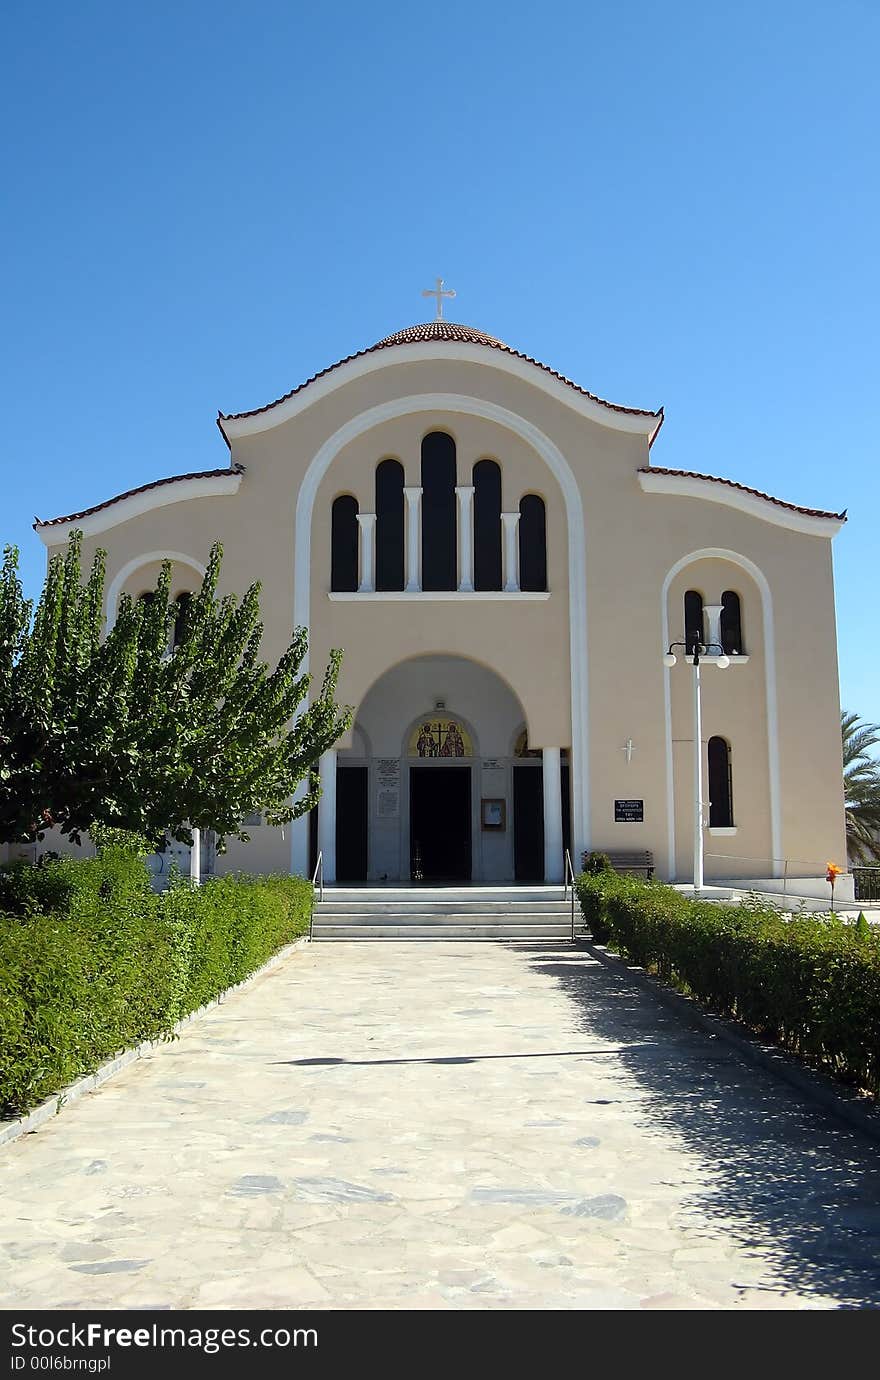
x=441 y=1126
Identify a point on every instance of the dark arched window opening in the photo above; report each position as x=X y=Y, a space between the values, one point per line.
x=182 y=605
x=389 y=525
x=487 y=525
x=532 y=543
x=344 y=544
x=720 y=785
x=439 y=553
x=693 y=619
x=731 y=623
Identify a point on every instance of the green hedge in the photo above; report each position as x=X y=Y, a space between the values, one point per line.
x=810 y=982
x=112 y=964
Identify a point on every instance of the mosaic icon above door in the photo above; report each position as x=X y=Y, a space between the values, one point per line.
x=440 y=738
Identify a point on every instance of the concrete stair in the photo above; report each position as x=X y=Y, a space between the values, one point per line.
x=531 y=914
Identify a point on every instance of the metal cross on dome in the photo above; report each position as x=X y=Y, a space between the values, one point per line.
x=439 y=291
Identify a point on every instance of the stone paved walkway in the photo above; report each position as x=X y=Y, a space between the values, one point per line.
x=441 y=1126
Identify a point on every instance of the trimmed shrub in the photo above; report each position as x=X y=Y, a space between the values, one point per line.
x=56 y=886
x=809 y=982
x=112 y=965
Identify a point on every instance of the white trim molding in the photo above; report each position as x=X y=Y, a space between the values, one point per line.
x=606 y=414
x=713 y=490
x=437 y=595
x=577 y=576
x=124 y=509
x=114 y=589
x=711 y=553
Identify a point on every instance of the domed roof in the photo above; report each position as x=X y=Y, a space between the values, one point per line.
x=427 y=333
x=440 y=330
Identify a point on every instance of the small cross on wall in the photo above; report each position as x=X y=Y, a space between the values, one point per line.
x=439 y=292
x=629 y=749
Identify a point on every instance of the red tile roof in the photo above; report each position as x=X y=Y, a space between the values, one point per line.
x=744 y=488
x=141 y=489
x=443 y=330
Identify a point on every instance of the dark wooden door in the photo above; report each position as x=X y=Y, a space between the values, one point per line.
x=440 y=823
x=351 y=824
x=528 y=824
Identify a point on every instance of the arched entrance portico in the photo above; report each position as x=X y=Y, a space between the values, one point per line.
x=427 y=790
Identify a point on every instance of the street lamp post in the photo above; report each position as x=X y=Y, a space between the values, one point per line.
x=697 y=650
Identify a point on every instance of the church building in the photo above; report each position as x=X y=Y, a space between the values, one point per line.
x=505 y=568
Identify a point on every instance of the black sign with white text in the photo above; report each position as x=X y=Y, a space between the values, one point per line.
x=629 y=811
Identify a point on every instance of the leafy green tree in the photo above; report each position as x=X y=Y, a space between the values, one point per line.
x=861 y=782
x=130 y=732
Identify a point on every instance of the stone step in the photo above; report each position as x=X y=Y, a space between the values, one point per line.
x=444 y=921
x=406 y=908
x=495 y=895
x=404 y=933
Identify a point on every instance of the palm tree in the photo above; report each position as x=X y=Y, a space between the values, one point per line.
x=861 y=784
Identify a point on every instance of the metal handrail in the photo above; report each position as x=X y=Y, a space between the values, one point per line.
x=319 y=867
x=569 y=878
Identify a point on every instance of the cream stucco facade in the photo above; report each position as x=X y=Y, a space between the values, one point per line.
x=578 y=665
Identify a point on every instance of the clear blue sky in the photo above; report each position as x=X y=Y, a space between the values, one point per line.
x=676 y=203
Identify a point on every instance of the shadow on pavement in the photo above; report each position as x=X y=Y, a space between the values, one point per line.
x=790 y=1177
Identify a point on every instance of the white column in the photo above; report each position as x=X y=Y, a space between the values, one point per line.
x=554 y=860
x=195 y=858
x=413 y=513
x=510 y=522
x=465 y=495
x=367 y=524
x=713 y=618
x=698 y=783
x=299 y=837
x=327 y=813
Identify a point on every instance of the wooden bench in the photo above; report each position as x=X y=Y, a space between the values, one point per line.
x=627 y=862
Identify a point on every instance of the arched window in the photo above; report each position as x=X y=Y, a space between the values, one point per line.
x=389 y=525
x=181 y=608
x=720 y=785
x=532 y=543
x=439 y=553
x=344 y=543
x=693 y=619
x=731 y=623
x=487 y=525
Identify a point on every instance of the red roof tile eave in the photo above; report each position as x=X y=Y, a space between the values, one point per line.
x=746 y=489
x=130 y=493
x=487 y=343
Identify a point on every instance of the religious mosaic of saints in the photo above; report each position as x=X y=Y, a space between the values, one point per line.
x=440 y=738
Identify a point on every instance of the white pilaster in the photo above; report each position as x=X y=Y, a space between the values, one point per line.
x=327 y=813
x=554 y=860
x=413 y=494
x=465 y=495
x=713 y=618
x=367 y=524
x=510 y=522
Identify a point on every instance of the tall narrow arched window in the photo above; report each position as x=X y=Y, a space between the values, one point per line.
x=693 y=619
x=487 y=525
x=182 y=606
x=389 y=525
x=532 y=543
x=439 y=553
x=720 y=785
x=344 y=543
x=731 y=623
